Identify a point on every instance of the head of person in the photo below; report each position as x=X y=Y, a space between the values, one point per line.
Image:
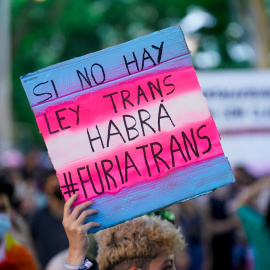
x=51 y=186
x=6 y=192
x=146 y=243
x=243 y=178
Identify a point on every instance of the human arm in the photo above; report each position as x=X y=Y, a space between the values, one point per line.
x=76 y=230
x=250 y=192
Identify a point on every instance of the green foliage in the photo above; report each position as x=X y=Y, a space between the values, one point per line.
x=51 y=31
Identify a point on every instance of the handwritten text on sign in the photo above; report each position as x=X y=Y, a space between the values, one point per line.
x=129 y=120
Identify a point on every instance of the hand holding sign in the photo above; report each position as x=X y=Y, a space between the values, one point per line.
x=76 y=230
x=127 y=125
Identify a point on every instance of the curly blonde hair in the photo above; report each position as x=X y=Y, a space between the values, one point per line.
x=142 y=237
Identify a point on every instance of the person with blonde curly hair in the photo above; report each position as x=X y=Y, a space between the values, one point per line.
x=145 y=243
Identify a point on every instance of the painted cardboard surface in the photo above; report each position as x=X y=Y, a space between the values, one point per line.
x=128 y=127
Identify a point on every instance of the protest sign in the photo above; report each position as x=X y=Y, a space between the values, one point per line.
x=128 y=127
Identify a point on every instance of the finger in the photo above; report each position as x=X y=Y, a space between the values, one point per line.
x=86 y=214
x=68 y=204
x=90 y=225
x=79 y=208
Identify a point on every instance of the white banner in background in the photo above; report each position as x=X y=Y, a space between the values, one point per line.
x=239 y=101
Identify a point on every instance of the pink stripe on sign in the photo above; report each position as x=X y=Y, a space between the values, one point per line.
x=135 y=134
x=151 y=158
x=133 y=94
x=182 y=110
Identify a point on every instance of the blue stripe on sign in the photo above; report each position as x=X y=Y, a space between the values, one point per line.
x=66 y=80
x=180 y=185
x=175 y=64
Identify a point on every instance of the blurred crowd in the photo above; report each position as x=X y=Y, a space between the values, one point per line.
x=225 y=229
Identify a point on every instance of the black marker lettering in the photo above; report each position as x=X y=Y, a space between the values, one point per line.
x=145 y=157
x=70 y=187
x=131 y=62
x=169 y=84
x=60 y=119
x=156 y=87
x=141 y=93
x=100 y=179
x=156 y=155
x=193 y=148
x=92 y=183
x=85 y=77
x=77 y=113
x=103 y=73
x=173 y=140
x=125 y=99
x=160 y=50
x=48 y=125
x=111 y=123
x=96 y=138
x=119 y=168
x=128 y=157
x=111 y=97
x=144 y=121
x=54 y=88
x=204 y=138
x=129 y=128
x=162 y=107
x=42 y=94
x=147 y=57
x=106 y=172
x=82 y=181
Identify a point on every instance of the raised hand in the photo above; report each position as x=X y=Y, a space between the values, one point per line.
x=76 y=230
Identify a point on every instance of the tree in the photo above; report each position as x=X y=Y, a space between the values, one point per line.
x=51 y=31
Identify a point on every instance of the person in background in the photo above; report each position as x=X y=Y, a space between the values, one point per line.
x=12 y=254
x=30 y=188
x=146 y=243
x=30 y=166
x=57 y=262
x=189 y=217
x=19 y=230
x=243 y=179
x=24 y=174
x=46 y=224
x=182 y=260
x=256 y=224
x=60 y=259
x=220 y=226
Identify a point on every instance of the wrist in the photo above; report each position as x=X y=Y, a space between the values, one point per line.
x=76 y=257
x=86 y=265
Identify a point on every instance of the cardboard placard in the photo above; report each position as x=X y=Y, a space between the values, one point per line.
x=128 y=127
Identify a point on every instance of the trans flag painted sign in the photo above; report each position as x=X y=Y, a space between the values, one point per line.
x=128 y=127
